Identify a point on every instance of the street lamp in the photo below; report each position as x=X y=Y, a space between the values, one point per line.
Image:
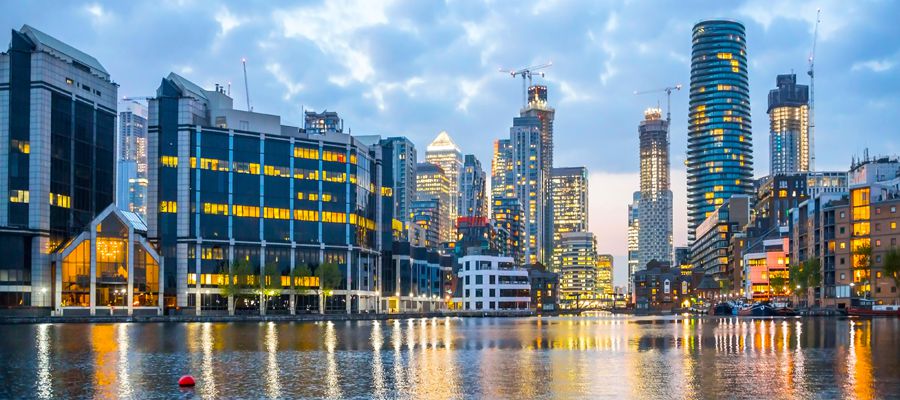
x=44 y=294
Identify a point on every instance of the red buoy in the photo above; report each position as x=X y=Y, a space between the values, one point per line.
x=186 y=381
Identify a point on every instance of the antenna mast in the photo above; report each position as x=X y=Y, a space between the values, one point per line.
x=812 y=95
x=246 y=87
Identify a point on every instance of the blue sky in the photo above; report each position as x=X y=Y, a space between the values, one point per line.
x=414 y=68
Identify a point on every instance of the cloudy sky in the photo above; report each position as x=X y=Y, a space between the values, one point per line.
x=418 y=67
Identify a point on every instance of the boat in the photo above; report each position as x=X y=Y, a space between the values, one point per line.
x=724 y=308
x=868 y=308
x=757 y=310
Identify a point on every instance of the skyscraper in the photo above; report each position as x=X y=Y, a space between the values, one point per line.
x=604 y=275
x=633 y=233
x=57 y=152
x=655 y=237
x=132 y=179
x=445 y=153
x=472 y=201
x=720 y=148
x=789 y=150
x=507 y=214
x=530 y=189
x=569 y=195
x=404 y=160
x=502 y=183
x=433 y=183
x=538 y=107
x=578 y=273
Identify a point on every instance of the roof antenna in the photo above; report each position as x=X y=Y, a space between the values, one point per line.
x=246 y=87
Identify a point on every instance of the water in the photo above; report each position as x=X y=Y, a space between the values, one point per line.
x=591 y=357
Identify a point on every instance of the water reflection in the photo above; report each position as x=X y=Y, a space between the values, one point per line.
x=603 y=356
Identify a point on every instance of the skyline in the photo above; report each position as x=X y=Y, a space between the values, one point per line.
x=453 y=84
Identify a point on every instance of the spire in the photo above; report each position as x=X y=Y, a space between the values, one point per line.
x=443 y=143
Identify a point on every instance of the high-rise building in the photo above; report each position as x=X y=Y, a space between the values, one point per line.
x=789 y=145
x=404 y=160
x=633 y=233
x=57 y=152
x=720 y=148
x=569 y=195
x=655 y=237
x=502 y=182
x=538 y=107
x=604 y=275
x=228 y=185
x=433 y=183
x=530 y=189
x=472 y=200
x=445 y=153
x=578 y=273
x=132 y=179
x=709 y=253
x=507 y=214
x=319 y=123
x=426 y=214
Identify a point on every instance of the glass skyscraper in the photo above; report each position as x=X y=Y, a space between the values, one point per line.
x=569 y=194
x=789 y=150
x=132 y=179
x=720 y=149
x=655 y=240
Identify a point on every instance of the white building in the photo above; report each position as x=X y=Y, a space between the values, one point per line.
x=492 y=283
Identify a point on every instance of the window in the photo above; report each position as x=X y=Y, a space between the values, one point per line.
x=843 y=214
x=168 y=161
x=893 y=225
x=493 y=292
x=878 y=274
x=18 y=196
x=168 y=207
x=843 y=275
x=467 y=279
x=842 y=263
x=493 y=280
x=215 y=209
x=60 y=200
x=467 y=292
x=479 y=279
x=245 y=211
x=878 y=243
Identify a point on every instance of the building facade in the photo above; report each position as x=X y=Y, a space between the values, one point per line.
x=789 y=144
x=502 y=182
x=655 y=239
x=426 y=215
x=633 y=234
x=491 y=283
x=433 y=183
x=443 y=152
x=530 y=184
x=509 y=216
x=709 y=253
x=404 y=166
x=472 y=196
x=132 y=175
x=416 y=280
x=604 y=275
x=230 y=186
x=720 y=149
x=569 y=196
x=579 y=281
x=57 y=157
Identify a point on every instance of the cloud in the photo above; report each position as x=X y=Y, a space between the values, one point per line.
x=381 y=89
x=836 y=15
x=470 y=89
x=291 y=87
x=334 y=27
x=570 y=94
x=873 y=65
x=227 y=21
x=98 y=14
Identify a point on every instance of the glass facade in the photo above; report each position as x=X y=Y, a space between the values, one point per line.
x=569 y=194
x=720 y=150
x=789 y=144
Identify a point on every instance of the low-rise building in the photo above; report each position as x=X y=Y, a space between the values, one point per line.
x=766 y=267
x=415 y=281
x=544 y=288
x=491 y=283
x=661 y=288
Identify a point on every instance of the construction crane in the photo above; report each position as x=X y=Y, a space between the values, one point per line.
x=246 y=86
x=812 y=94
x=133 y=98
x=527 y=73
x=668 y=91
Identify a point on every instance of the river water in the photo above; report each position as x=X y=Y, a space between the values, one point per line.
x=603 y=356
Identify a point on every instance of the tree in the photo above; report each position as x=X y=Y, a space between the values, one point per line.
x=862 y=256
x=271 y=282
x=813 y=272
x=891 y=265
x=329 y=278
x=300 y=271
x=237 y=281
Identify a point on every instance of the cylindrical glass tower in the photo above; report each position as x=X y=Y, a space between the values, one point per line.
x=720 y=149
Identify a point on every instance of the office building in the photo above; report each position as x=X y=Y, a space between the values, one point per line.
x=491 y=282
x=765 y=265
x=508 y=215
x=426 y=215
x=720 y=148
x=544 y=288
x=655 y=237
x=57 y=157
x=472 y=200
x=789 y=144
x=443 y=152
x=229 y=186
x=416 y=279
x=403 y=158
x=569 y=196
x=132 y=175
x=530 y=184
x=477 y=235
x=538 y=107
x=433 y=183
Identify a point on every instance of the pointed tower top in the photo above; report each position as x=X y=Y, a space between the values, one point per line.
x=443 y=143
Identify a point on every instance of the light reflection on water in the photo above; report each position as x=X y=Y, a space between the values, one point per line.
x=600 y=356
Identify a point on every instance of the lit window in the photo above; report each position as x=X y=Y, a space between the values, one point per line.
x=245 y=211
x=60 y=200
x=18 y=196
x=166 y=206
x=215 y=209
x=168 y=161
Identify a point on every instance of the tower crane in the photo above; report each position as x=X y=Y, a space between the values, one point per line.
x=132 y=98
x=526 y=73
x=668 y=91
x=812 y=94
